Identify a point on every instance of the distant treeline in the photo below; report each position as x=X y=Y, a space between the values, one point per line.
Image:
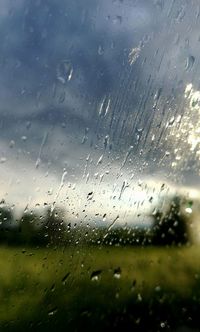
x=168 y=228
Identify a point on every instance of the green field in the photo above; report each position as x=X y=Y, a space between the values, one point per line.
x=107 y=288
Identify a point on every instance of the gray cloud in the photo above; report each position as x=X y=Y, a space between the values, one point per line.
x=66 y=75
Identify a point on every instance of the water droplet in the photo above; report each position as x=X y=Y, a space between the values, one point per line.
x=117 y=295
x=163 y=325
x=189 y=62
x=162 y=187
x=157 y=288
x=124 y=186
x=126 y=156
x=178 y=119
x=100 y=50
x=90 y=195
x=62 y=97
x=157 y=95
x=11 y=144
x=100 y=160
x=171 y=121
x=64 y=279
x=38 y=161
x=87 y=177
x=85 y=137
x=28 y=124
x=95 y=275
x=52 y=311
x=101 y=177
x=64 y=72
x=106 y=141
x=117 y=273
x=180 y=14
x=151 y=199
x=53 y=288
x=133 y=285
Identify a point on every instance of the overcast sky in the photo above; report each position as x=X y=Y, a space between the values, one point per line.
x=92 y=93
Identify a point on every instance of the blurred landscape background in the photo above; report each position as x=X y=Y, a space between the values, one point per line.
x=174 y=222
x=75 y=276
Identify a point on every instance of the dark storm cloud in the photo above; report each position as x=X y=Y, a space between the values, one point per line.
x=38 y=39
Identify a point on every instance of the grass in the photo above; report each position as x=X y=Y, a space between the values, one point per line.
x=107 y=288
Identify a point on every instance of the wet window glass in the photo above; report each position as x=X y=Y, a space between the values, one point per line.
x=99 y=159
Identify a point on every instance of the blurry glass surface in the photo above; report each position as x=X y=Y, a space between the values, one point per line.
x=99 y=157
